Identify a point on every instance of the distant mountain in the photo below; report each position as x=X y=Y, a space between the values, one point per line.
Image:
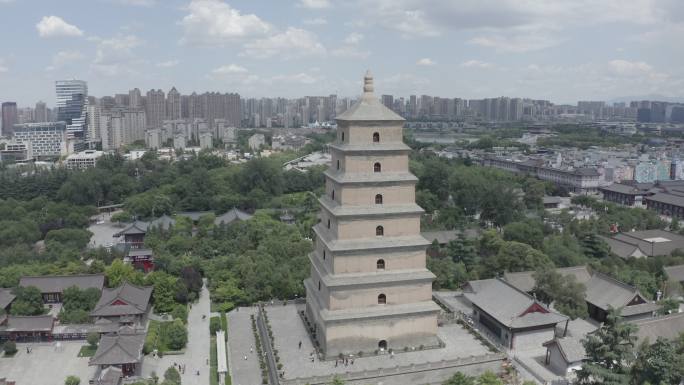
x=652 y=97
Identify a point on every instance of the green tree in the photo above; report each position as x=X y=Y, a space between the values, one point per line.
x=674 y=225
x=658 y=364
x=177 y=335
x=119 y=272
x=164 y=290
x=172 y=376
x=28 y=301
x=515 y=256
x=530 y=232
x=460 y=379
x=567 y=295
x=93 y=339
x=610 y=352
x=10 y=348
x=489 y=378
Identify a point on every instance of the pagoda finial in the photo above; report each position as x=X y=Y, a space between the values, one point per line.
x=368 y=83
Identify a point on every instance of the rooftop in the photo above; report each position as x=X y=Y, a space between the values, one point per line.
x=127 y=299
x=116 y=349
x=57 y=283
x=510 y=306
x=668 y=327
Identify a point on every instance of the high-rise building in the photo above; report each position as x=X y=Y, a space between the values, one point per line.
x=369 y=287
x=9 y=118
x=94 y=122
x=41 y=113
x=134 y=98
x=72 y=105
x=173 y=104
x=155 y=108
x=388 y=101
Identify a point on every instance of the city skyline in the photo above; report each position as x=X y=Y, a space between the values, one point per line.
x=317 y=47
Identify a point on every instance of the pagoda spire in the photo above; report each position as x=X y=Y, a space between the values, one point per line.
x=368 y=83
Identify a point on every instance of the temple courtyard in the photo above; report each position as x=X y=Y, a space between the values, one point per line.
x=289 y=330
x=47 y=364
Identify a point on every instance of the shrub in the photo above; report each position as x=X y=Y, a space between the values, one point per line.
x=214 y=325
x=172 y=376
x=10 y=348
x=72 y=380
x=93 y=338
x=180 y=312
x=177 y=335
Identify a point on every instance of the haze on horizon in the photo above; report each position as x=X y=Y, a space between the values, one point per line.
x=561 y=50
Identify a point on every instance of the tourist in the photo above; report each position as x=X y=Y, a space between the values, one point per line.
x=300 y=344
x=245 y=358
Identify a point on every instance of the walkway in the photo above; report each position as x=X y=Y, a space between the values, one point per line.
x=196 y=355
x=240 y=340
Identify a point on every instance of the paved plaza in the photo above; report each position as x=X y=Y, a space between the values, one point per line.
x=47 y=364
x=196 y=352
x=289 y=330
x=103 y=233
x=240 y=341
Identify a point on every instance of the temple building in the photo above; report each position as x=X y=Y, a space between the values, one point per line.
x=369 y=289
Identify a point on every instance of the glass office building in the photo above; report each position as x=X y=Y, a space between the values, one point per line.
x=72 y=104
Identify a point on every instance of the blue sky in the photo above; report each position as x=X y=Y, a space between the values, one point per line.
x=562 y=50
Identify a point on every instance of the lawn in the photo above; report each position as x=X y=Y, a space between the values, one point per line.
x=87 y=351
x=213 y=364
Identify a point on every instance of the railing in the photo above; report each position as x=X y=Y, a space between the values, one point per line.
x=397 y=370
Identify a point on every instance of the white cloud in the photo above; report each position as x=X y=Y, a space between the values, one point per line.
x=301 y=78
x=115 y=55
x=294 y=42
x=53 y=26
x=213 y=22
x=350 y=51
x=62 y=58
x=426 y=61
x=476 y=64
x=168 y=63
x=353 y=38
x=315 y=4
x=229 y=69
x=629 y=68
x=516 y=43
x=316 y=21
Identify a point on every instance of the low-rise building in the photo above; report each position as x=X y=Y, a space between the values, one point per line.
x=514 y=318
x=565 y=355
x=52 y=286
x=46 y=140
x=646 y=243
x=256 y=141
x=27 y=328
x=122 y=350
x=127 y=304
x=84 y=159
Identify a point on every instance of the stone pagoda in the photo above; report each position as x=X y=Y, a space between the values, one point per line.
x=369 y=288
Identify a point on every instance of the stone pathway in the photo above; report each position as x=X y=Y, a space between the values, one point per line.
x=240 y=340
x=197 y=351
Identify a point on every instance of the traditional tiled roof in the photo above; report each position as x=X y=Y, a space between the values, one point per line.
x=623 y=249
x=194 y=215
x=163 y=223
x=650 y=242
x=509 y=306
x=231 y=216
x=139 y=252
x=117 y=349
x=57 y=283
x=127 y=299
x=524 y=280
x=110 y=376
x=368 y=108
x=137 y=227
x=666 y=198
x=38 y=323
x=445 y=236
x=675 y=273
x=668 y=327
x=604 y=292
x=6 y=298
x=571 y=349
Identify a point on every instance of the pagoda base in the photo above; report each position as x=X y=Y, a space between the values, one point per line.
x=372 y=332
